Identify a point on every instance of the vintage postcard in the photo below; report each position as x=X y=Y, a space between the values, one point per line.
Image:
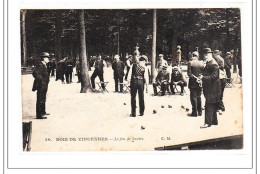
x=131 y=79
x=94 y=84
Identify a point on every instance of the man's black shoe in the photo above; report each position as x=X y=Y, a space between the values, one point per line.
x=132 y=115
x=199 y=114
x=41 y=118
x=192 y=115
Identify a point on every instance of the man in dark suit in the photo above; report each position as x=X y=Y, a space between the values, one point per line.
x=195 y=68
x=227 y=65
x=68 y=70
x=118 y=67
x=162 y=79
x=211 y=88
x=41 y=85
x=222 y=77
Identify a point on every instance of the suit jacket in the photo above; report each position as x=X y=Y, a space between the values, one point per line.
x=178 y=77
x=195 y=67
x=163 y=76
x=118 y=67
x=220 y=61
x=41 y=77
x=211 y=82
x=227 y=63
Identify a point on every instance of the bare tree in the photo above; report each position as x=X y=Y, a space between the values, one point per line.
x=85 y=81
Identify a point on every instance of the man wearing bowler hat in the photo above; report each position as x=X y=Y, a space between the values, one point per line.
x=40 y=85
x=211 y=88
x=118 y=67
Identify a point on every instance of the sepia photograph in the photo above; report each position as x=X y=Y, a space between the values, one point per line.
x=95 y=80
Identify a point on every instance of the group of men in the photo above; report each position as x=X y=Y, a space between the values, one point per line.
x=209 y=76
x=163 y=77
x=64 y=68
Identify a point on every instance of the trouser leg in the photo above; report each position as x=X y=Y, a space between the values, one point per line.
x=40 y=103
x=182 y=86
x=209 y=109
x=211 y=114
x=163 y=86
x=116 y=84
x=133 y=97
x=172 y=89
x=67 y=77
x=199 y=100
x=193 y=100
x=94 y=75
x=228 y=74
x=214 y=118
x=141 y=96
x=220 y=104
x=70 y=77
x=101 y=78
x=121 y=85
x=155 y=88
x=52 y=72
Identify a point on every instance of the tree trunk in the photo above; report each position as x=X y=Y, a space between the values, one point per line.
x=85 y=81
x=58 y=30
x=24 y=38
x=154 y=46
x=118 y=41
x=174 y=46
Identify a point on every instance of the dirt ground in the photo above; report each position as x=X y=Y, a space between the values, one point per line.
x=101 y=122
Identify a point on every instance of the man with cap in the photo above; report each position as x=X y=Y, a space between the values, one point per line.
x=227 y=65
x=222 y=77
x=161 y=79
x=195 y=68
x=118 y=67
x=177 y=78
x=161 y=62
x=139 y=76
x=99 y=65
x=211 y=88
x=40 y=84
